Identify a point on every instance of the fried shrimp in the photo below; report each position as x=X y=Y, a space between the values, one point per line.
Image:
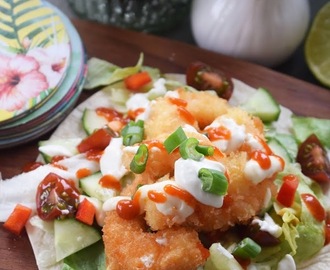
x=204 y=106
x=129 y=245
x=172 y=198
x=244 y=200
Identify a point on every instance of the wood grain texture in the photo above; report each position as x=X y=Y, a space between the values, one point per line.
x=123 y=47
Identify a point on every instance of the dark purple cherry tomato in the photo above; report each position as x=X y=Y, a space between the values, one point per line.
x=313 y=159
x=56 y=198
x=203 y=77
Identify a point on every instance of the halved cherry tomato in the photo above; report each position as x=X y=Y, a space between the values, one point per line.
x=203 y=77
x=313 y=159
x=56 y=198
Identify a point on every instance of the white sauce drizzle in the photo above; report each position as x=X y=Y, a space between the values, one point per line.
x=256 y=174
x=186 y=176
x=237 y=137
x=111 y=160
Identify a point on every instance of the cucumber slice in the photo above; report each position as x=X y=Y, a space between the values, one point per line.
x=221 y=259
x=279 y=149
x=92 y=121
x=90 y=185
x=263 y=105
x=59 y=147
x=72 y=236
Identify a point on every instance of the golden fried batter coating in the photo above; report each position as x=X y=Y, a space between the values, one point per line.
x=129 y=245
x=204 y=106
x=243 y=201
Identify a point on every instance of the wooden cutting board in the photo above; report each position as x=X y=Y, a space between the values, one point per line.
x=123 y=47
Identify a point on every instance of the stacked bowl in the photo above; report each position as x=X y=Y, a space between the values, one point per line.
x=42 y=69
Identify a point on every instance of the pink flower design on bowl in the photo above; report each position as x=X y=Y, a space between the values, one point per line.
x=20 y=80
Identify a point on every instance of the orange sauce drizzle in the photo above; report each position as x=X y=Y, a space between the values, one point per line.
x=180 y=193
x=314 y=206
x=83 y=172
x=186 y=115
x=157 y=197
x=178 y=101
x=109 y=181
x=262 y=159
x=132 y=114
x=155 y=143
x=218 y=133
x=266 y=147
x=129 y=209
x=108 y=113
x=94 y=154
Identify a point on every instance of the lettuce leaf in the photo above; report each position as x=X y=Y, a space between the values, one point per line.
x=305 y=126
x=101 y=73
x=92 y=257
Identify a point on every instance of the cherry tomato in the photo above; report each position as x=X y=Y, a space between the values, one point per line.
x=56 y=198
x=203 y=77
x=313 y=159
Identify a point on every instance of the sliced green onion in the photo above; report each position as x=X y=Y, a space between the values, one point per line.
x=246 y=249
x=188 y=149
x=205 y=150
x=174 y=140
x=133 y=132
x=213 y=181
x=139 y=161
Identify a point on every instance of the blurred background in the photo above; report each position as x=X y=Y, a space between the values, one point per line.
x=294 y=66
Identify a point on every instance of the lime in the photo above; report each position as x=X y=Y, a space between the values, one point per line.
x=317 y=46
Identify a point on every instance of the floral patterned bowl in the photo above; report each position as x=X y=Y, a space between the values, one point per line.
x=42 y=69
x=35 y=54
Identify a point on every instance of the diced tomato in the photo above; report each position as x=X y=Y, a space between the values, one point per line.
x=137 y=81
x=17 y=219
x=286 y=194
x=98 y=140
x=86 y=212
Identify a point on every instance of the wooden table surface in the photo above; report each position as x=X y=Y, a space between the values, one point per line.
x=123 y=47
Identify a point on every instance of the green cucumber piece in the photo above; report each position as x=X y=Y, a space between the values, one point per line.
x=70 y=236
x=92 y=121
x=58 y=147
x=263 y=105
x=279 y=149
x=221 y=259
x=91 y=186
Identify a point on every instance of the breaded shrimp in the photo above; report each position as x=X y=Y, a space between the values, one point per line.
x=164 y=118
x=204 y=106
x=129 y=245
x=244 y=200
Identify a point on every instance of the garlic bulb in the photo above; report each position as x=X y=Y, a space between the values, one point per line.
x=263 y=31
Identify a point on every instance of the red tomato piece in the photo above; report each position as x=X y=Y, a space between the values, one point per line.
x=17 y=219
x=56 y=198
x=137 y=80
x=313 y=159
x=98 y=140
x=86 y=212
x=287 y=191
x=203 y=77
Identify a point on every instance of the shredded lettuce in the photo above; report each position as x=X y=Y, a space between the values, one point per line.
x=101 y=73
x=305 y=126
